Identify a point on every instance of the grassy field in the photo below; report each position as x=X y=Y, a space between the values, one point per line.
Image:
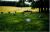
x=13 y=9
x=24 y=22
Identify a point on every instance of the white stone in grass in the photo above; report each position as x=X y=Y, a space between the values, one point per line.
x=28 y=20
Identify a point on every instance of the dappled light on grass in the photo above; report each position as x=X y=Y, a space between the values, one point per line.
x=13 y=9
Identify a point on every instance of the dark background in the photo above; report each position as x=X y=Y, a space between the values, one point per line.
x=40 y=3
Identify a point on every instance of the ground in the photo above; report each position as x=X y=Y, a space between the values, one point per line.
x=24 y=22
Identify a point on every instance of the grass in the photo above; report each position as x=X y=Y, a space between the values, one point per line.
x=16 y=22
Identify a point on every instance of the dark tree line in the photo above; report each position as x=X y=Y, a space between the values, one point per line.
x=44 y=4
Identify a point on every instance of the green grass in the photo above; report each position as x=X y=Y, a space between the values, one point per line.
x=16 y=22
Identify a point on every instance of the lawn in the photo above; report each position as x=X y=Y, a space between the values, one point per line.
x=24 y=22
